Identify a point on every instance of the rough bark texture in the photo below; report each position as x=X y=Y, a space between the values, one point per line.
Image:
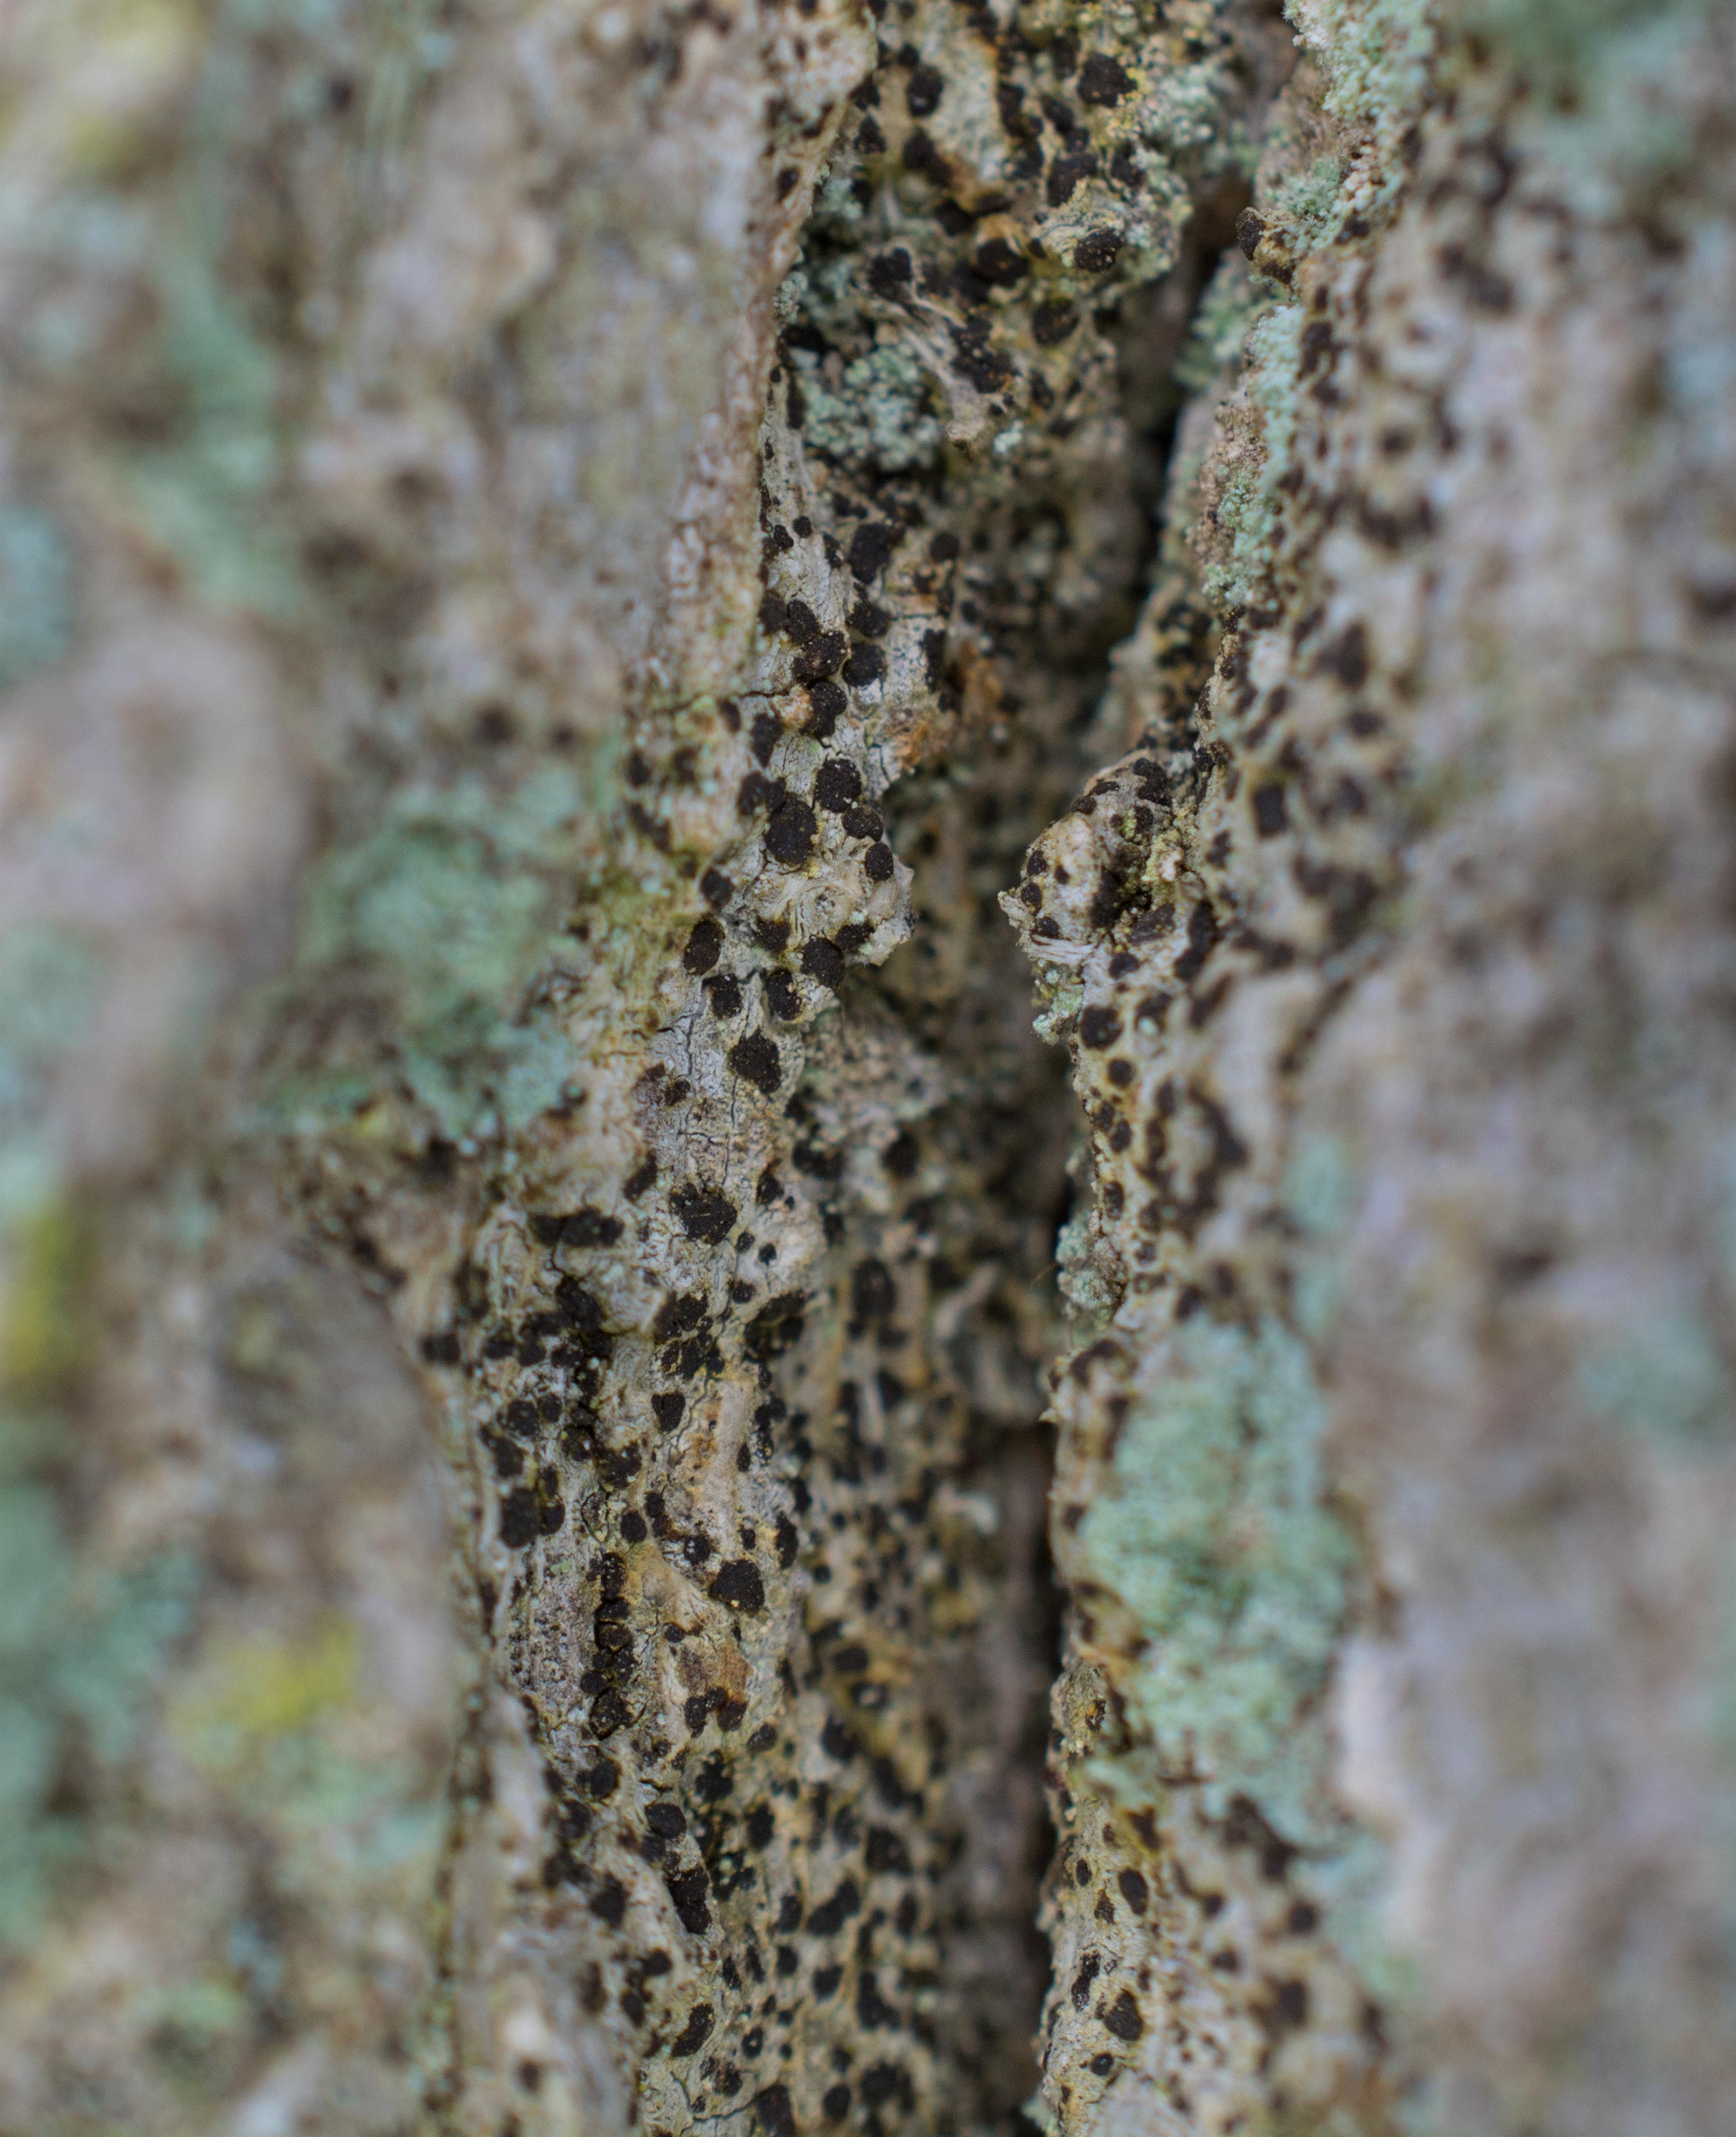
x=564 y=571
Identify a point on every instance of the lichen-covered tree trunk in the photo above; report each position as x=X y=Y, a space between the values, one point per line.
x=621 y=1510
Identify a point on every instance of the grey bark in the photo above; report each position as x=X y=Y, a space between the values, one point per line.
x=565 y=572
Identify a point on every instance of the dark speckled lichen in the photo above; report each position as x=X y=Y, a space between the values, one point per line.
x=743 y=1315
x=1333 y=1597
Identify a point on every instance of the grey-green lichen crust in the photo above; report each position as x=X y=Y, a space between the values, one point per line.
x=1349 y=1463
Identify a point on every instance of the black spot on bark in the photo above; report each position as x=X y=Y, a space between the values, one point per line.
x=1289 y=2006
x=1269 y=811
x=1000 y=264
x=888 y=276
x=873 y=1295
x=882 y=2082
x=871 y=545
x=691 y=1891
x=704 y=946
x=738 y=1586
x=924 y=90
x=1097 y=251
x=609 y=1902
x=695 y=2033
x=703 y=1214
x=826 y=704
x=866 y=665
x=830 y=1915
x=782 y=995
x=1348 y=657
x=756 y=1061
x=773 y=2112
x=520 y=1519
x=1066 y=175
x=679 y=1315
x=776 y=1326
x=1201 y=937
x=1123 y=2017
x=885 y=1852
x=789 y=834
x=1103 y=82
x=837 y=783
x=824 y=657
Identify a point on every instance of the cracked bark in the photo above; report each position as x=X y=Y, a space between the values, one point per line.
x=566 y=570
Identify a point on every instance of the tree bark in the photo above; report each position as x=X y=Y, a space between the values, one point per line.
x=567 y=571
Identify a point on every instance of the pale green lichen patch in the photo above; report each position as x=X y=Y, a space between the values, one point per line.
x=1564 y=40
x=50 y=980
x=1250 y=510
x=1213 y=1536
x=883 y=415
x=80 y=1651
x=202 y=490
x=442 y=914
x=1321 y=1188
x=1663 y=1379
x=36 y=594
x=1376 y=54
x=1232 y=304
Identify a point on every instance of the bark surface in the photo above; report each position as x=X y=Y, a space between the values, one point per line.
x=571 y=1368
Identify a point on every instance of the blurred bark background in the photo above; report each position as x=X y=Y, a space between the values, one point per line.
x=623 y=1510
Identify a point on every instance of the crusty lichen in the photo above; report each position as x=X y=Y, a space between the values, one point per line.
x=1365 y=862
x=739 y=1306
x=1212 y=1536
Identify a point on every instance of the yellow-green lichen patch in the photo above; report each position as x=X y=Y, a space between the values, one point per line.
x=44 y=1331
